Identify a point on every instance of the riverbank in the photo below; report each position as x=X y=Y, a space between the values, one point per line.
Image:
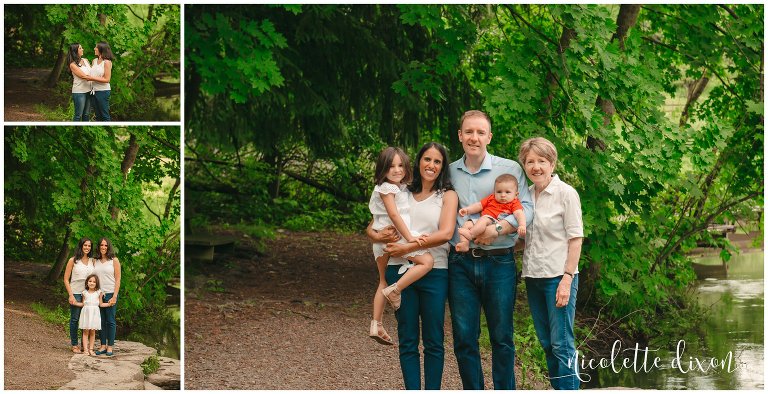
x=29 y=336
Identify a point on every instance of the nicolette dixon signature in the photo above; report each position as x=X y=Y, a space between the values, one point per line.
x=643 y=359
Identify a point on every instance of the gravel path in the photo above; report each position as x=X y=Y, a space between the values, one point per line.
x=36 y=352
x=295 y=319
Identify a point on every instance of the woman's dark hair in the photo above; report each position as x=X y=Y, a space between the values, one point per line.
x=110 y=251
x=98 y=286
x=72 y=56
x=104 y=51
x=385 y=161
x=443 y=181
x=79 y=252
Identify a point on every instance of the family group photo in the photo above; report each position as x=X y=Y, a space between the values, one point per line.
x=92 y=62
x=473 y=197
x=92 y=257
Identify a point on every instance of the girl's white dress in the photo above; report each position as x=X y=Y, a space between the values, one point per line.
x=382 y=220
x=90 y=316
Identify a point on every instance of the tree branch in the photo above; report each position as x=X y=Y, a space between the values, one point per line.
x=159 y=219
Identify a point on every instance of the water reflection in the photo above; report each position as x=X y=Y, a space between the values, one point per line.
x=734 y=326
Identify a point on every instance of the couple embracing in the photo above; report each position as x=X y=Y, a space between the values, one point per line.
x=427 y=253
x=92 y=280
x=90 y=82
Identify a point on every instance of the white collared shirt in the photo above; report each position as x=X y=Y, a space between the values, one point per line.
x=556 y=219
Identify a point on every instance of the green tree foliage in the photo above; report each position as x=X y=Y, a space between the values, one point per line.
x=657 y=113
x=144 y=38
x=65 y=183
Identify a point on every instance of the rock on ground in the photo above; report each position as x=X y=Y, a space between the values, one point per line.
x=120 y=372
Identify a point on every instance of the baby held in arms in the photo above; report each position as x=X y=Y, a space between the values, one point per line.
x=502 y=203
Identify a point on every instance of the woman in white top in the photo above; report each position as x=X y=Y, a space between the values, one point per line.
x=100 y=74
x=551 y=259
x=107 y=267
x=78 y=268
x=81 y=86
x=433 y=208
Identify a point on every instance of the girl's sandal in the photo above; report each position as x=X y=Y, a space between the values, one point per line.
x=379 y=334
x=76 y=349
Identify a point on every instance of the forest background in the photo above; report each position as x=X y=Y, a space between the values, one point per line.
x=69 y=182
x=145 y=39
x=656 y=111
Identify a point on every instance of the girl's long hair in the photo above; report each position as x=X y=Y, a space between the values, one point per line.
x=110 y=251
x=79 y=252
x=104 y=51
x=443 y=181
x=386 y=157
x=72 y=56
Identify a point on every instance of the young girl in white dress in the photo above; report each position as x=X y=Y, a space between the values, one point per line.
x=90 y=316
x=390 y=205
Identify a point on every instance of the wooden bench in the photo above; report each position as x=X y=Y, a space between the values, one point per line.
x=203 y=246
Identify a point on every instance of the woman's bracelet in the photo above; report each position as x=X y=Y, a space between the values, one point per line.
x=568 y=273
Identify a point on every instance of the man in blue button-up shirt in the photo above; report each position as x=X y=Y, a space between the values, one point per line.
x=486 y=275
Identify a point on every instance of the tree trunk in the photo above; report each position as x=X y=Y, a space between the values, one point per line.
x=61 y=260
x=695 y=89
x=53 y=77
x=627 y=18
x=169 y=203
x=130 y=157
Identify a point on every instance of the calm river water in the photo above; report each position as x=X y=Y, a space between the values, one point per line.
x=733 y=330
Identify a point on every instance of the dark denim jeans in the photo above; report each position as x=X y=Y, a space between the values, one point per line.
x=488 y=282
x=423 y=301
x=74 y=320
x=82 y=107
x=108 y=322
x=554 y=327
x=101 y=105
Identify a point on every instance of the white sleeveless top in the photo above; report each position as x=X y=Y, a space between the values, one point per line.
x=80 y=85
x=80 y=271
x=106 y=273
x=97 y=70
x=425 y=219
x=379 y=211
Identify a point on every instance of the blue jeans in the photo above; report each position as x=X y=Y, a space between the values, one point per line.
x=554 y=327
x=101 y=105
x=423 y=300
x=82 y=107
x=488 y=282
x=74 y=320
x=108 y=322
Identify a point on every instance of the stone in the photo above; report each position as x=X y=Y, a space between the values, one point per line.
x=121 y=372
x=168 y=376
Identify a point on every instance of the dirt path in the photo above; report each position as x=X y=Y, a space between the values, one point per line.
x=24 y=89
x=36 y=352
x=294 y=319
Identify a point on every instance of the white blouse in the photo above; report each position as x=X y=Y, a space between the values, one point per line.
x=97 y=70
x=80 y=85
x=106 y=273
x=425 y=219
x=80 y=271
x=556 y=219
x=379 y=211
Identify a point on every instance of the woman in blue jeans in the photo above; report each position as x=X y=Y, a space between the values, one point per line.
x=107 y=267
x=433 y=211
x=81 y=85
x=78 y=268
x=100 y=74
x=551 y=259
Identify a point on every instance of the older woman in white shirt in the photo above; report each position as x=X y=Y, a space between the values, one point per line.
x=550 y=261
